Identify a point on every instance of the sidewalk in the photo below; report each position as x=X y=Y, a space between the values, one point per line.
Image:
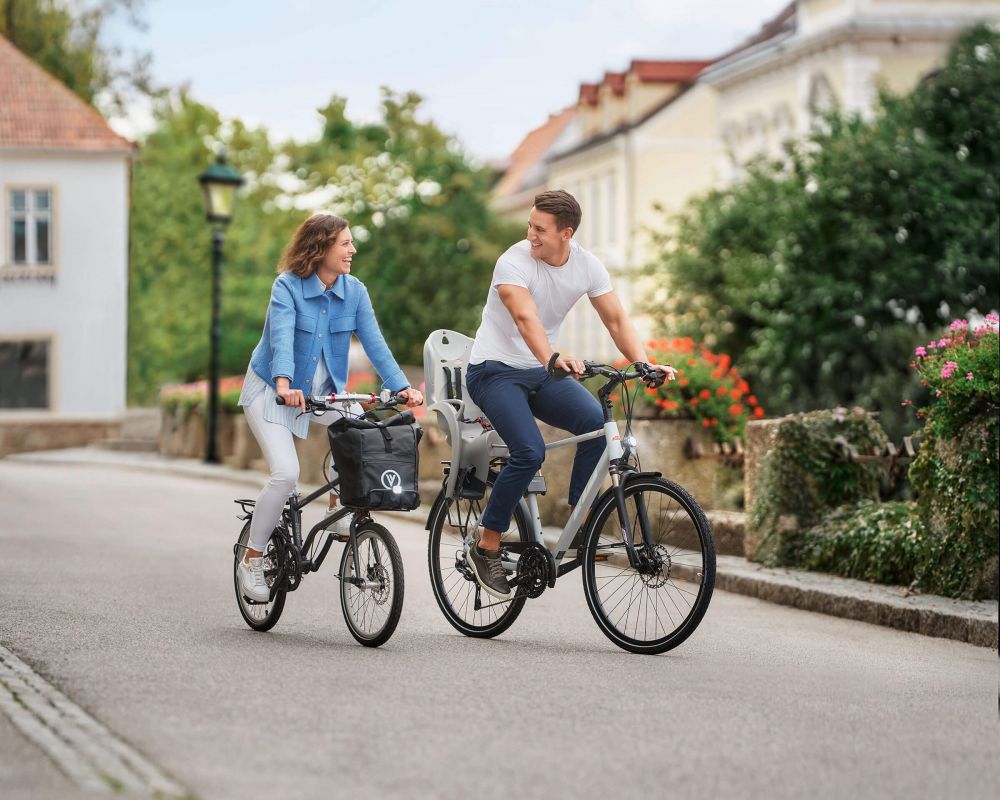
x=891 y=606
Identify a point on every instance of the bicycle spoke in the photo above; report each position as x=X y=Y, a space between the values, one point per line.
x=651 y=603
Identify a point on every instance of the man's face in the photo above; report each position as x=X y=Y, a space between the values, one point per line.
x=546 y=240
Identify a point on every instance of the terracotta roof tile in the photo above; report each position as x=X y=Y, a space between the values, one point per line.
x=649 y=71
x=38 y=111
x=533 y=147
x=588 y=93
x=616 y=82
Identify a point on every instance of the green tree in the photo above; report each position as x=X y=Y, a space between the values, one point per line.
x=419 y=210
x=66 y=40
x=819 y=273
x=170 y=264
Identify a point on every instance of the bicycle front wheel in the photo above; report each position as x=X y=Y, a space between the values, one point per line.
x=259 y=616
x=655 y=608
x=372 y=595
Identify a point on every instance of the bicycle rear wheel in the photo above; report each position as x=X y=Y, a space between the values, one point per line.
x=454 y=583
x=649 y=610
x=373 y=602
x=259 y=616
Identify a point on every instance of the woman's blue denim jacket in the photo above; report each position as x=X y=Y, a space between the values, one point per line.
x=306 y=322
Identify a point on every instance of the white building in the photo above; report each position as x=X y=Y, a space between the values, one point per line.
x=64 y=179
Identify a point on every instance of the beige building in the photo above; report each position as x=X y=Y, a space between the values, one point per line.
x=654 y=136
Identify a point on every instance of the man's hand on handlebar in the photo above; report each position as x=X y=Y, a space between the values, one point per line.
x=658 y=374
x=412 y=397
x=569 y=366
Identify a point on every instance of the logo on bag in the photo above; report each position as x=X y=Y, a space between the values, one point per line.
x=392 y=481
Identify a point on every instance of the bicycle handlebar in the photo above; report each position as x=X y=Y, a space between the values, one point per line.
x=320 y=402
x=654 y=377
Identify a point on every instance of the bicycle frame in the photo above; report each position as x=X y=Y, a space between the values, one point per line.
x=292 y=515
x=613 y=462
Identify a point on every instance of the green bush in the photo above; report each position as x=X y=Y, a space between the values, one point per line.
x=955 y=473
x=878 y=542
x=805 y=474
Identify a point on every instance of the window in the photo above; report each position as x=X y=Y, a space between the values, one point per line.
x=24 y=374
x=30 y=227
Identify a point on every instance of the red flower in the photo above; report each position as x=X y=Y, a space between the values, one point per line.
x=706 y=423
x=704 y=394
x=683 y=382
x=694 y=401
x=752 y=399
x=721 y=391
x=650 y=390
x=669 y=405
x=736 y=394
x=758 y=412
x=736 y=409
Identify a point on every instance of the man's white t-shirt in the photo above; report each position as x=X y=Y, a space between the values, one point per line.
x=555 y=291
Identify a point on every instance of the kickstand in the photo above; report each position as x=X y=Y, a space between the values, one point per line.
x=478 y=604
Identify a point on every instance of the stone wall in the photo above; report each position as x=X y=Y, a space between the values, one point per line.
x=661 y=448
x=26 y=432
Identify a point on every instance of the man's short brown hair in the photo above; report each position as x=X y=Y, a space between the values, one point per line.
x=561 y=205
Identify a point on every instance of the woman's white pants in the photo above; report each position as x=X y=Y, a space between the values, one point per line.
x=278 y=445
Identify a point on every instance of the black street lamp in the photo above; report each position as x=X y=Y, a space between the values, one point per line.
x=219 y=182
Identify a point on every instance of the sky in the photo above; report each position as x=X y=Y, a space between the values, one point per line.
x=489 y=71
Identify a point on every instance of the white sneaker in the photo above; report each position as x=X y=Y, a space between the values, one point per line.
x=251 y=572
x=342 y=527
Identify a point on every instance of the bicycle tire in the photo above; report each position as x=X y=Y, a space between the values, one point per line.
x=451 y=589
x=259 y=616
x=683 y=539
x=370 y=603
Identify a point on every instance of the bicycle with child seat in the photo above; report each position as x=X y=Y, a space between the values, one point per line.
x=644 y=545
x=371 y=568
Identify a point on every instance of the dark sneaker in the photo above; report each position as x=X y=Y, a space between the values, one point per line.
x=489 y=571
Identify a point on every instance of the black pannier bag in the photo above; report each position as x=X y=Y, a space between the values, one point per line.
x=377 y=461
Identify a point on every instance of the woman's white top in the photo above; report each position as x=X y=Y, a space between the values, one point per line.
x=291 y=418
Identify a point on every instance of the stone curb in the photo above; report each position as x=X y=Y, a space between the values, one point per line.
x=890 y=606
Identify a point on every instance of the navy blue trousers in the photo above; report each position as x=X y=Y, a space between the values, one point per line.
x=512 y=398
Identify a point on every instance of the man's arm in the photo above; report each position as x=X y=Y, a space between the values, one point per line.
x=521 y=306
x=612 y=313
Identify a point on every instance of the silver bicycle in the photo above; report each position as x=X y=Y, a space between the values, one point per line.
x=644 y=544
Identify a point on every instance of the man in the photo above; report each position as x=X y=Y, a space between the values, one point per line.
x=535 y=284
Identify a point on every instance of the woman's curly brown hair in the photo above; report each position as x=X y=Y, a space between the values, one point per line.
x=310 y=244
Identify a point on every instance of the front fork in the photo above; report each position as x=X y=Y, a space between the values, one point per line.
x=639 y=561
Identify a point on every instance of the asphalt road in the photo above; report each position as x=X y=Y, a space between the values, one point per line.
x=117 y=587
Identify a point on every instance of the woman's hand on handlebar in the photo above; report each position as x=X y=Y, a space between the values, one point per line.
x=412 y=397
x=289 y=397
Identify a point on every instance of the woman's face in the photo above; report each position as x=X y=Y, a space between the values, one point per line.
x=338 y=258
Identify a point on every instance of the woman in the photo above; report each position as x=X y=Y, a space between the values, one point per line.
x=316 y=305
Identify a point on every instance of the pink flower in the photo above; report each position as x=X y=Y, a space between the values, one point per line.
x=968 y=376
x=948 y=368
x=992 y=319
x=932 y=345
x=958 y=324
x=920 y=352
x=942 y=343
x=937 y=393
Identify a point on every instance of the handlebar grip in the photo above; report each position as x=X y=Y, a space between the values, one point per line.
x=556 y=373
x=279 y=400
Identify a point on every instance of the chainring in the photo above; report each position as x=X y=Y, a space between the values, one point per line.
x=532 y=571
